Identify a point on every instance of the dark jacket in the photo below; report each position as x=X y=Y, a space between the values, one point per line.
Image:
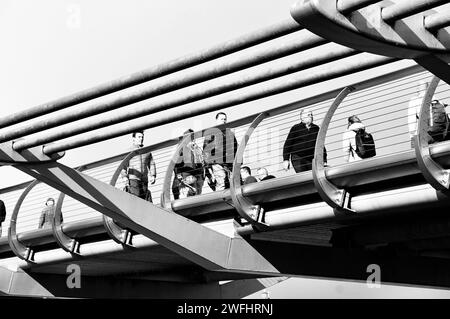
x=267 y=177
x=226 y=142
x=301 y=142
x=2 y=212
x=45 y=220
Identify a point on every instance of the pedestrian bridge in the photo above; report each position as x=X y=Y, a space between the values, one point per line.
x=332 y=222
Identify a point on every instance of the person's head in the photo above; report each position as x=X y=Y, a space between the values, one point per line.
x=352 y=120
x=138 y=138
x=221 y=118
x=261 y=173
x=50 y=202
x=306 y=116
x=245 y=172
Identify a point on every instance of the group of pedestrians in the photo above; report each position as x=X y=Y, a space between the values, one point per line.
x=213 y=162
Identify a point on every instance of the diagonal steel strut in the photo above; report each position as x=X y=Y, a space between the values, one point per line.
x=195 y=242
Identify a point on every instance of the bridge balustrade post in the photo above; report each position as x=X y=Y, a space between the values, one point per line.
x=338 y=199
x=71 y=245
x=433 y=172
x=254 y=214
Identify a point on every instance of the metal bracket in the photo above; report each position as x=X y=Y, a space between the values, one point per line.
x=67 y=243
x=365 y=30
x=338 y=199
x=254 y=214
x=120 y=235
x=434 y=174
x=19 y=249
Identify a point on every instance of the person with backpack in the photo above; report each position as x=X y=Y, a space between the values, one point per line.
x=357 y=144
x=439 y=122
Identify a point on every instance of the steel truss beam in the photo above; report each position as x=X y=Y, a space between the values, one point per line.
x=381 y=29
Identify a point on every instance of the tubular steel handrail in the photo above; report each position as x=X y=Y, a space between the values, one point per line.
x=433 y=172
x=244 y=207
x=243 y=42
x=338 y=199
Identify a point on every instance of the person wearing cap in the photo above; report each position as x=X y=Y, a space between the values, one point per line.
x=47 y=214
x=300 y=143
x=139 y=170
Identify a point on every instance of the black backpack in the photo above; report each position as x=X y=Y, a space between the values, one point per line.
x=439 y=121
x=365 y=145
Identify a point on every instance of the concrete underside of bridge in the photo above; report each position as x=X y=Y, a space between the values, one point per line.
x=180 y=258
x=412 y=251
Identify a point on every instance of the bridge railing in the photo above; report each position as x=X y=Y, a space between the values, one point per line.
x=383 y=107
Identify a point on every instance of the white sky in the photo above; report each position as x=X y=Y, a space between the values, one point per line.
x=52 y=48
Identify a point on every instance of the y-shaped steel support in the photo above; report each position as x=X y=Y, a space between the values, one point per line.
x=120 y=235
x=369 y=30
x=193 y=241
x=338 y=199
x=165 y=194
x=26 y=158
x=247 y=210
x=71 y=245
x=18 y=248
x=434 y=173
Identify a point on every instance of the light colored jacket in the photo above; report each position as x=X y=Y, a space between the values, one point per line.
x=349 y=143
